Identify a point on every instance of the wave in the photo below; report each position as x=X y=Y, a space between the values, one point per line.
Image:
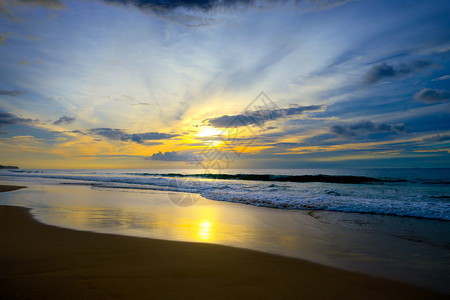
x=346 y=179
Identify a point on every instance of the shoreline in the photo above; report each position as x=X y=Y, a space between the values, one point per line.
x=40 y=260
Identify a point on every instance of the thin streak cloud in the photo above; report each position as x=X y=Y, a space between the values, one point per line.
x=259 y=117
x=11 y=93
x=124 y=136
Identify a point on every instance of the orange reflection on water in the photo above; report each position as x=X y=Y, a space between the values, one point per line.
x=204 y=230
x=202 y=226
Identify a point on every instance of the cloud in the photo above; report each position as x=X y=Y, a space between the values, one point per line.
x=378 y=72
x=351 y=130
x=431 y=96
x=7 y=11
x=122 y=135
x=259 y=117
x=192 y=12
x=25 y=62
x=77 y=131
x=437 y=138
x=11 y=93
x=209 y=5
x=11 y=119
x=50 y=4
x=441 y=78
x=172 y=156
x=130 y=100
x=110 y=156
x=64 y=120
x=35 y=38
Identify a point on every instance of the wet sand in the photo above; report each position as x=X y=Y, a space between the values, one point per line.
x=42 y=261
x=10 y=188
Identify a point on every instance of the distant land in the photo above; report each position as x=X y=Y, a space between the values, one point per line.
x=8 y=167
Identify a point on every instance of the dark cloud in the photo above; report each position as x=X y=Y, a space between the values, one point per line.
x=432 y=96
x=208 y=5
x=11 y=93
x=378 y=72
x=122 y=135
x=351 y=130
x=187 y=11
x=172 y=156
x=437 y=138
x=77 y=131
x=11 y=119
x=259 y=117
x=64 y=120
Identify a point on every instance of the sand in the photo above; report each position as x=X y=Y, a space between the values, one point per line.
x=42 y=261
x=9 y=188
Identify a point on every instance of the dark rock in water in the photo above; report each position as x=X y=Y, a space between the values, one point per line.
x=8 y=167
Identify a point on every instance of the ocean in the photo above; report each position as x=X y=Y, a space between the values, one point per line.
x=419 y=193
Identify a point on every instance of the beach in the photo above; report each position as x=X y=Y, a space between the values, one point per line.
x=42 y=261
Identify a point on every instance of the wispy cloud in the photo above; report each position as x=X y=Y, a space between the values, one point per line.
x=7 y=6
x=437 y=138
x=432 y=95
x=122 y=135
x=26 y=62
x=51 y=4
x=445 y=77
x=130 y=100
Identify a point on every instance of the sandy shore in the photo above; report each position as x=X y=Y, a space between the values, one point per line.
x=41 y=261
x=9 y=188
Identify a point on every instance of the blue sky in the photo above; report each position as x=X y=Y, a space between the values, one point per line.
x=152 y=84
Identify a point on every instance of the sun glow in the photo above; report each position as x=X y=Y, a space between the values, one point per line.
x=204 y=230
x=208 y=131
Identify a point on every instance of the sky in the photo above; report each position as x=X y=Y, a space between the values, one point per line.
x=224 y=84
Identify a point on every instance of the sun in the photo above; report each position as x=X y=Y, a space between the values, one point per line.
x=208 y=131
